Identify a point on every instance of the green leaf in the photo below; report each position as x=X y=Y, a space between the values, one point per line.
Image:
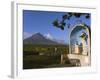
x=62 y=27
x=55 y=23
x=64 y=16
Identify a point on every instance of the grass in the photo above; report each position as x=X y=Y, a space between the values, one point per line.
x=50 y=58
x=37 y=61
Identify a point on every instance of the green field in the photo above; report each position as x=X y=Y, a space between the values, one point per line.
x=44 y=56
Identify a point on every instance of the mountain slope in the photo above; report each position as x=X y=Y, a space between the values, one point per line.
x=39 y=39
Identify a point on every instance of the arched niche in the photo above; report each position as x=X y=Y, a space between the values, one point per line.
x=79 y=42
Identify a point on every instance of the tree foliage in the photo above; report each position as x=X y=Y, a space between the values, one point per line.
x=66 y=17
x=84 y=36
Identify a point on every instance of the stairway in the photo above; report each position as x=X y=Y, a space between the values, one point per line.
x=84 y=60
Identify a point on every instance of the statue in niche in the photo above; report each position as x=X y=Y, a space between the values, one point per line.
x=84 y=37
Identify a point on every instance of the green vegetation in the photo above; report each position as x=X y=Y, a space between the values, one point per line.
x=68 y=16
x=43 y=56
x=45 y=49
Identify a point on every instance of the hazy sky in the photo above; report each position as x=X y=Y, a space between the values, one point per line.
x=41 y=21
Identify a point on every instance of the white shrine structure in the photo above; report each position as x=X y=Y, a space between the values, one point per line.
x=76 y=49
x=80 y=52
x=84 y=46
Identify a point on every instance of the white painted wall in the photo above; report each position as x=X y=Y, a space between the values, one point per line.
x=5 y=40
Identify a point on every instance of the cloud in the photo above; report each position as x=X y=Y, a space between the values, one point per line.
x=26 y=35
x=48 y=36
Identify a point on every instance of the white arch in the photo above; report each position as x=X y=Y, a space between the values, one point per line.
x=88 y=33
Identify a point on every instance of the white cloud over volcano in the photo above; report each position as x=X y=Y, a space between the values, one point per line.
x=26 y=35
x=48 y=36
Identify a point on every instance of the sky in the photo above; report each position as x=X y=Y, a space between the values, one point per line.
x=41 y=21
